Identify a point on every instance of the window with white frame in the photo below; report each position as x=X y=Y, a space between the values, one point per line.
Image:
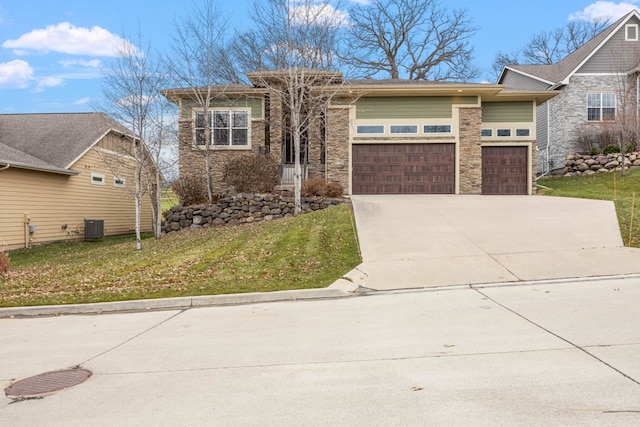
x=601 y=107
x=631 y=32
x=523 y=132
x=370 y=129
x=504 y=132
x=403 y=129
x=119 y=182
x=227 y=128
x=97 y=178
x=487 y=132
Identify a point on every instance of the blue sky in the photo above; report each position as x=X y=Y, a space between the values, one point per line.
x=51 y=51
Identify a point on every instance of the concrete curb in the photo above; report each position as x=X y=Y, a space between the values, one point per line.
x=180 y=303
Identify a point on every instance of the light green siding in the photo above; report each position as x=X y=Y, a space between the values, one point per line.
x=500 y=112
x=255 y=104
x=410 y=107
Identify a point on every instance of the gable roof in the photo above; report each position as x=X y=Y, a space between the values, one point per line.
x=52 y=142
x=559 y=73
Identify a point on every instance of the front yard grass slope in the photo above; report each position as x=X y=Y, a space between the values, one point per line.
x=308 y=251
x=608 y=186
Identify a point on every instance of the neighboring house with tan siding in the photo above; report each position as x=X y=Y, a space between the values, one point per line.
x=374 y=136
x=589 y=85
x=58 y=170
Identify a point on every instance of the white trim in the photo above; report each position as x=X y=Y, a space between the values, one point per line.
x=597 y=48
x=95 y=175
x=210 y=146
x=121 y=184
x=92 y=145
x=113 y=153
x=626 y=32
x=531 y=76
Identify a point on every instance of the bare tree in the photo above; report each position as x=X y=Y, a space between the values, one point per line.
x=550 y=47
x=293 y=44
x=307 y=30
x=417 y=39
x=199 y=61
x=131 y=93
x=625 y=122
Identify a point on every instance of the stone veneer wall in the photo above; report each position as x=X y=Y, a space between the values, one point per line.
x=337 y=146
x=568 y=111
x=470 y=150
x=240 y=209
x=192 y=159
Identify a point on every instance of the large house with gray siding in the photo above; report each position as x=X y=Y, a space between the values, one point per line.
x=372 y=136
x=595 y=84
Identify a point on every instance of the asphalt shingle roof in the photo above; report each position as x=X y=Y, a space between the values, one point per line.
x=556 y=73
x=51 y=140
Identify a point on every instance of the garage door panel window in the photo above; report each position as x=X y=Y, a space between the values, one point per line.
x=403 y=129
x=368 y=129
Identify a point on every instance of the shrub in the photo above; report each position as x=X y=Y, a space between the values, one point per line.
x=611 y=149
x=313 y=187
x=190 y=190
x=4 y=263
x=594 y=151
x=334 y=190
x=251 y=173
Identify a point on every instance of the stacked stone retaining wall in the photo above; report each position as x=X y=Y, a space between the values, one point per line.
x=240 y=209
x=581 y=164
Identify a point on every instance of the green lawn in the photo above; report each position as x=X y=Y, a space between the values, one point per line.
x=168 y=199
x=308 y=251
x=609 y=186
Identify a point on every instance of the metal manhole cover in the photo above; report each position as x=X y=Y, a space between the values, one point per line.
x=46 y=384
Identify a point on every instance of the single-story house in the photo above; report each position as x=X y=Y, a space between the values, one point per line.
x=62 y=172
x=372 y=136
x=594 y=85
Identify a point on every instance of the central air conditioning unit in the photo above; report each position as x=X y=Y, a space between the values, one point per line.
x=93 y=229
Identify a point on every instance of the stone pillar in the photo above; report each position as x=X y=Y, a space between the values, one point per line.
x=470 y=150
x=337 y=146
x=276 y=136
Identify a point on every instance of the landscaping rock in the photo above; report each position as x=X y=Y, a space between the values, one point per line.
x=242 y=209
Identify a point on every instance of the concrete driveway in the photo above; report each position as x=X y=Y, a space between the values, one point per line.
x=432 y=240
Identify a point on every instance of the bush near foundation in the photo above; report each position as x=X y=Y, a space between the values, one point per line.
x=317 y=187
x=190 y=190
x=251 y=173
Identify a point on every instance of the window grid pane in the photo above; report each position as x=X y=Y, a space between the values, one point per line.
x=404 y=129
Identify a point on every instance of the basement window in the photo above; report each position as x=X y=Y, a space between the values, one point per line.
x=97 y=178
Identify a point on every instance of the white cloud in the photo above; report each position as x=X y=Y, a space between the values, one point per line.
x=93 y=63
x=604 y=9
x=15 y=74
x=82 y=101
x=320 y=13
x=48 y=82
x=67 y=38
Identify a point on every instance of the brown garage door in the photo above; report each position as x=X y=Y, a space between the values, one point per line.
x=504 y=170
x=403 y=169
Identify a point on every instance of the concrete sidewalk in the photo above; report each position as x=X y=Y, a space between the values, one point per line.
x=429 y=241
x=554 y=354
